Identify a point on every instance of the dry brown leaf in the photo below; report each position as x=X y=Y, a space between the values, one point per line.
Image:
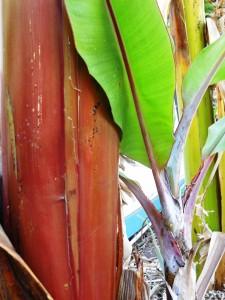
x=17 y=281
x=129 y=282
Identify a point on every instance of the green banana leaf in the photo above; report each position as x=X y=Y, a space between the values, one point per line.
x=207 y=68
x=97 y=30
x=220 y=74
x=215 y=142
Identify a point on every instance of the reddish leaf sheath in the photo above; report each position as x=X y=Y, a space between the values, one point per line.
x=60 y=150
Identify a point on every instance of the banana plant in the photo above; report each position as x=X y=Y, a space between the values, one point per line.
x=127 y=50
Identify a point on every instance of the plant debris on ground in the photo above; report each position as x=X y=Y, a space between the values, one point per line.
x=145 y=248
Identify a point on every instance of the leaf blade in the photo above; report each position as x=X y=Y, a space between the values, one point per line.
x=220 y=74
x=205 y=69
x=215 y=142
x=196 y=81
x=97 y=44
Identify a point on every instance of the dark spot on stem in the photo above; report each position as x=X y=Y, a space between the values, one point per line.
x=95 y=107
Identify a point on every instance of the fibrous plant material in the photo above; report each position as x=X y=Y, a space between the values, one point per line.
x=132 y=286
